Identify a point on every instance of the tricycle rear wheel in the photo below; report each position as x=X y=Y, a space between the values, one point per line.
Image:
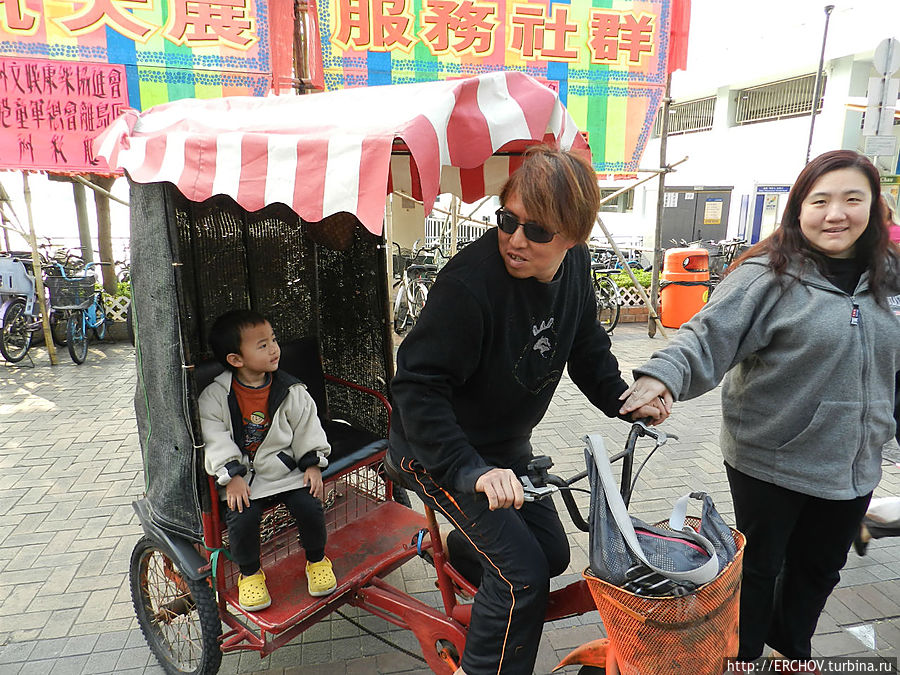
x=178 y=616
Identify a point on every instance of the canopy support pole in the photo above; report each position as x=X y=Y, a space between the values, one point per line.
x=38 y=276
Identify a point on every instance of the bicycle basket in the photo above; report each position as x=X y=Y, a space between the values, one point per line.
x=673 y=635
x=70 y=293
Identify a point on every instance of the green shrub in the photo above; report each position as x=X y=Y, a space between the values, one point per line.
x=123 y=288
x=624 y=281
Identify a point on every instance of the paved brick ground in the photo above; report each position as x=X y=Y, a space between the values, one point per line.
x=70 y=465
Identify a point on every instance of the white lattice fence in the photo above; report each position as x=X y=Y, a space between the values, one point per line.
x=117 y=307
x=630 y=297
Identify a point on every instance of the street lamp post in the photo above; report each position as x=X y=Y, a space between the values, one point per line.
x=818 y=88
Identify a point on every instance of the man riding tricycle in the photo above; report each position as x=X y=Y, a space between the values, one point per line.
x=277 y=205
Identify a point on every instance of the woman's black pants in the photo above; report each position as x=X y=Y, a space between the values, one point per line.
x=796 y=547
x=243 y=527
x=519 y=551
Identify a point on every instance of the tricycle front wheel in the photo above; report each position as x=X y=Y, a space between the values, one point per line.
x=178 y=616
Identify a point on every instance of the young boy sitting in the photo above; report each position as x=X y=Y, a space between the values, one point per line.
x=264 y=444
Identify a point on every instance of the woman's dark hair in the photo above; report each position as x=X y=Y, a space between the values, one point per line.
x=225 y=333
x=558 y=189
x=788 y=243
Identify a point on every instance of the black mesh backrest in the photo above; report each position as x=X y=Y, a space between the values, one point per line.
x=300 y=358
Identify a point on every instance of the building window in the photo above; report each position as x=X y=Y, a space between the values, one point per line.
x=777 y=100
x=688 y=117
x=624 y=203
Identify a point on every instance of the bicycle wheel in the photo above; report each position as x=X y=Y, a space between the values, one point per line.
x=99 y=320
x=607 y=303
x=178 y=617
x=58 y=327
x=15 y=339
x=420 y=295
x=76 y=340
x=401 y=312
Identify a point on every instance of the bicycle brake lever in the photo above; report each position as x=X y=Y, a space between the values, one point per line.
x=532 y=492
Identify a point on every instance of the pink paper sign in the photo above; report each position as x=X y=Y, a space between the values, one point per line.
x=50 y=112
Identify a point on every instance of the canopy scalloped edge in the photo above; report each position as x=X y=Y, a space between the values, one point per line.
x=321 y=154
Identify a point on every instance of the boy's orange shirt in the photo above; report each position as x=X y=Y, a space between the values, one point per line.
x=254 y=405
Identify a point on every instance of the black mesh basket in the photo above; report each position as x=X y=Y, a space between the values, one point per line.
x=70 y=293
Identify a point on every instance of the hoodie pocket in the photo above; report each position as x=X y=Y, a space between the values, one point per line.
x=287 y=460
x=828 y=444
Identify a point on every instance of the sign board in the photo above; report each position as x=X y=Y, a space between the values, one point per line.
x=887 y=57
x=880 y=145
x=608 y=63
x=712 y=211
x=670 y=200
x=50 y=112
x=880 y=105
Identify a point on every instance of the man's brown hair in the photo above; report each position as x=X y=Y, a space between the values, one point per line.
x=558 y=190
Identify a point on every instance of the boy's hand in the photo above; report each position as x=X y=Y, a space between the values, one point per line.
x=237 y=494
x=314 y=482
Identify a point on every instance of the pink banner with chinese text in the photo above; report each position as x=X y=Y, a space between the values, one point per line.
x=50 y=112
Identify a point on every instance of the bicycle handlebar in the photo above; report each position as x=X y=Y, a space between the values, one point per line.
x=539 y=483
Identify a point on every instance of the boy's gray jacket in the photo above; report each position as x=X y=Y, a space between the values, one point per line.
x=809 y=397
x=294 y=431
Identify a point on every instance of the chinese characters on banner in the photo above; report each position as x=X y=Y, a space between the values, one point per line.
x=533 y=31
x=608 y=64
x=50 y=112
x=227 y=23
x=172 y=49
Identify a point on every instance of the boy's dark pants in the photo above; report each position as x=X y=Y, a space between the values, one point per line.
x=243 y=527
x=796 y=547
x=519 y=551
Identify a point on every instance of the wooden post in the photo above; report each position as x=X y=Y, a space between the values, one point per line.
x=38 y=276
x=84 y=228
x=104 y=234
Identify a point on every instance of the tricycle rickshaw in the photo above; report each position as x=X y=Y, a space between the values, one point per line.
x=278 y=204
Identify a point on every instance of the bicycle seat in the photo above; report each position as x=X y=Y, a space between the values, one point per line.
x=422 y=268
x=396 y=475
x=603 y=269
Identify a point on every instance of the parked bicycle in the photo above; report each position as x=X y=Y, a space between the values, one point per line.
x=412 y=285
x=20 y=315
x=82 y=304
x=609 y=296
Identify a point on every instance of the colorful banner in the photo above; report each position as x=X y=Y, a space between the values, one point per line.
x=171 y=49
x=50 y=111
x=606 y=58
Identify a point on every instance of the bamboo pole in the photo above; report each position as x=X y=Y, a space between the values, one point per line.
x=637 y=285
x=38 y=277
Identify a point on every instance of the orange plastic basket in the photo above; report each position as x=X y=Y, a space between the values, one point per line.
x=689 y=635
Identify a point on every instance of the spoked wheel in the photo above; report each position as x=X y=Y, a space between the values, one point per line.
x=76 y=340
x=401 y=312
x=607 y=304
x=420 y=295
x=15 y=339
x=99 y=310
x=178 y=616
x=58 y=327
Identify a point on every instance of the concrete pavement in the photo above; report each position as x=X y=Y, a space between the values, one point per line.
x=70 y=465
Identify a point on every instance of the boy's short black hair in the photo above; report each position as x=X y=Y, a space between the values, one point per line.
x=225 y=333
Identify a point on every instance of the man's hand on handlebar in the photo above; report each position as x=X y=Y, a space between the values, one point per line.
x=647 y=397
x=502 y=489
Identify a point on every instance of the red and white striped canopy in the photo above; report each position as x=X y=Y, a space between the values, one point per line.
x=326 y=153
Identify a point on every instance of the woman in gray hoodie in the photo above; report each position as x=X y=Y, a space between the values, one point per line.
x=802 y=334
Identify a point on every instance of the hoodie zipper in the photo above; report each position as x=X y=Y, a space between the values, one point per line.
x=855 y=316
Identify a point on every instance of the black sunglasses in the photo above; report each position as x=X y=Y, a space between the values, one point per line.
x=509 y=223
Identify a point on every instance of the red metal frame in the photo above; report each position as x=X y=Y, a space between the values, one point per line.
x=434 y=629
